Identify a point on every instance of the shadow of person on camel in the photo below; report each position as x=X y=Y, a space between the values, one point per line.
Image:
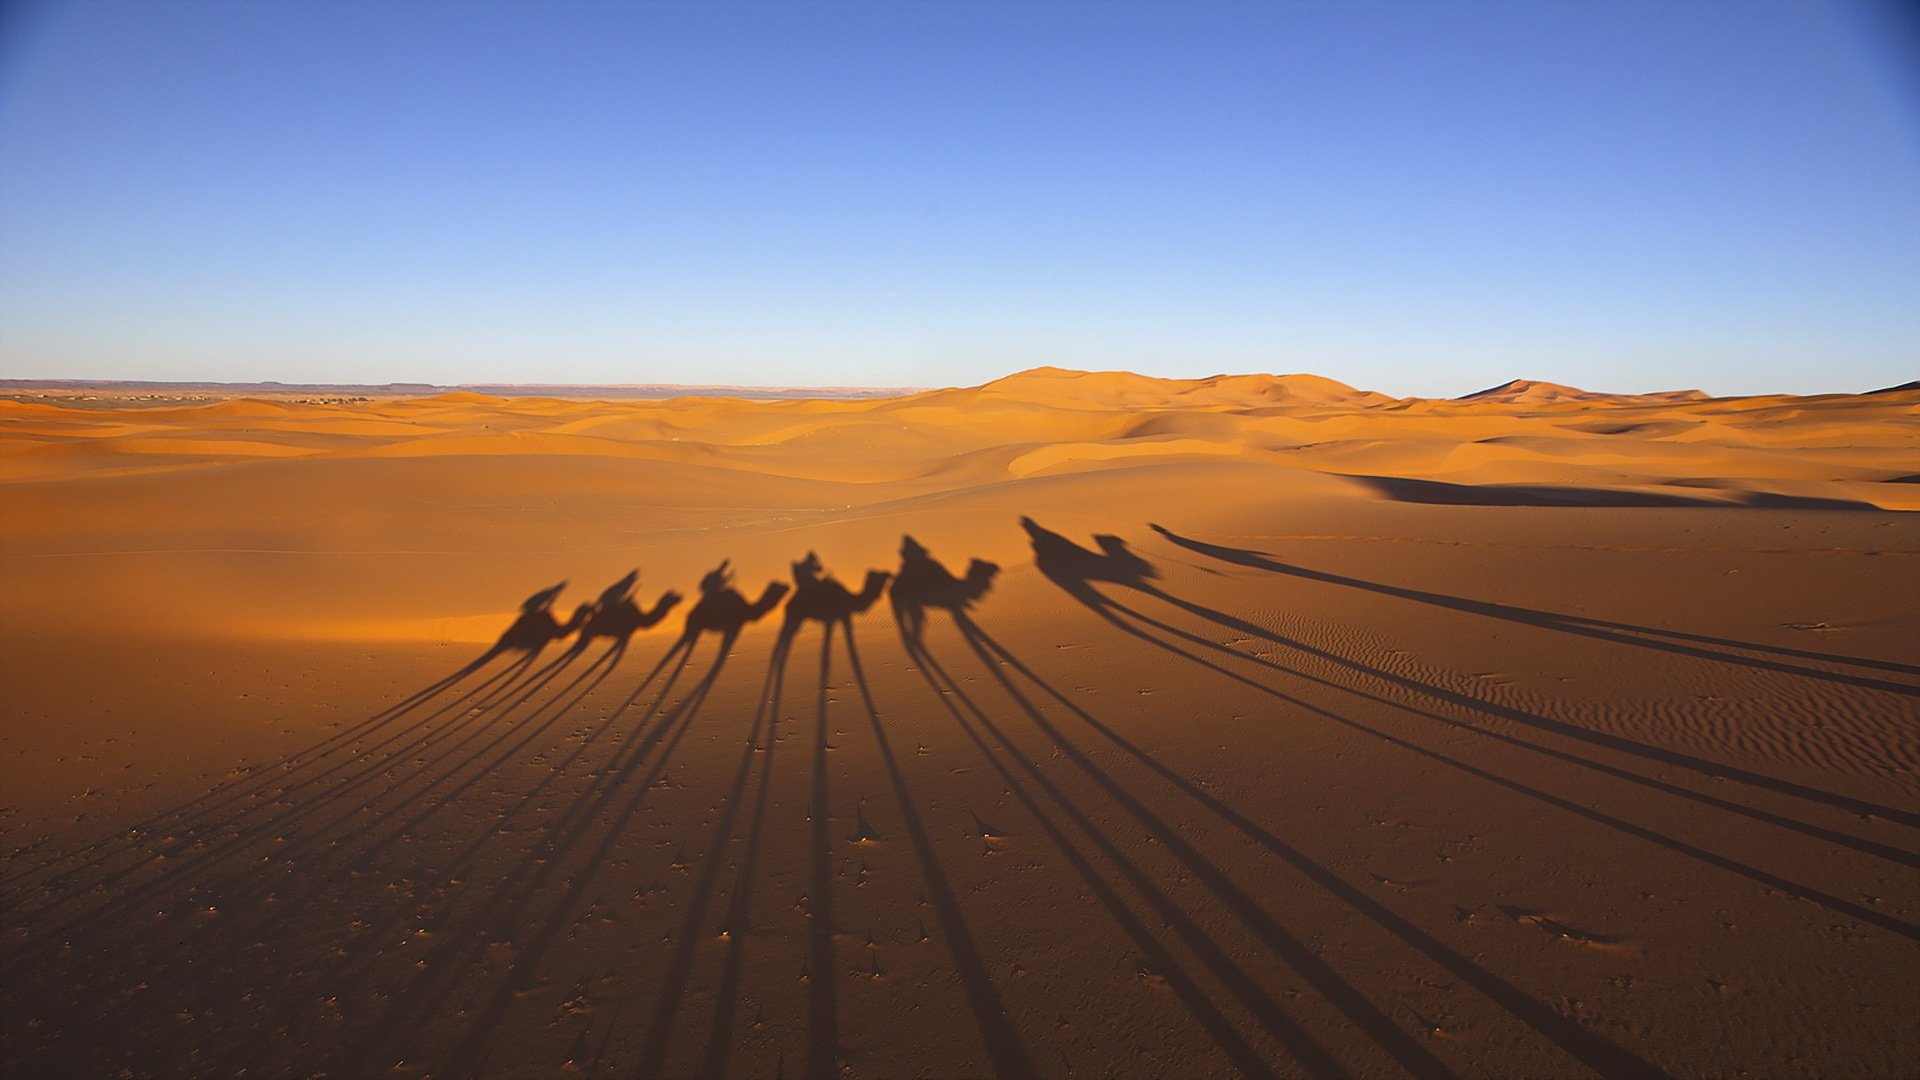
x=819 y=597
x=922 y=583
x=615 y=615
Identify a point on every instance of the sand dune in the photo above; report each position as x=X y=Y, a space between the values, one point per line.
x=1251 y=725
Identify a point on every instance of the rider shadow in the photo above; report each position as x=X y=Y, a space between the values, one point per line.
x=722 y=610
x=922 y=583
x=820 y=597
x=531 y=631
x=617 y=617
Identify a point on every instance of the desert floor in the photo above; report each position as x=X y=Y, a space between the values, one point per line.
x=1300 y=731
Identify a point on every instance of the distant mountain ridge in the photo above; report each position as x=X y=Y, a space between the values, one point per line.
x=499 y=390
x=1537 y=392
x=1126 y=388
x=1039 y=384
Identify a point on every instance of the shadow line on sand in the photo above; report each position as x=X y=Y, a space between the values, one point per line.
x=1107 y=607
x=1075 y=569
x=1673 y=641
x=1155 y=957
x=1112 y=611
x=1408 y=489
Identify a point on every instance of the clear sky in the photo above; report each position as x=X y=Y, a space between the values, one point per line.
x=1419 y=198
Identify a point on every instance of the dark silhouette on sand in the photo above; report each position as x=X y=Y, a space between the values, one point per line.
x=1075 y=569
x=819 y=597
x=535 y=628
x=615 y=615
x=922 y=583
x=531 y=632
x=722 y=610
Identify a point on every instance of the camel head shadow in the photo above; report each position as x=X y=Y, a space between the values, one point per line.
x=722 y=609
x=922 y=583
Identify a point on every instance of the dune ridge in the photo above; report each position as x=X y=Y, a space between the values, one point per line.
x=1837 y=447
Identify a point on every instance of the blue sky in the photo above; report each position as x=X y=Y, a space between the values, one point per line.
x=1420 y=198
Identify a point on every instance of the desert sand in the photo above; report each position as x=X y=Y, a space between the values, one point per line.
x=1252 y=725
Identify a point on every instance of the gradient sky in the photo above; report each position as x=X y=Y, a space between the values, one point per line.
x=1419 y=198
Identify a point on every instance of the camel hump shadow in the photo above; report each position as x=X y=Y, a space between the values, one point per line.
x=922 y=582
x=723 y=610
x=820 y=597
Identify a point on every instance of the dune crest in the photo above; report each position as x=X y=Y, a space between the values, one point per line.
x=1533 y=391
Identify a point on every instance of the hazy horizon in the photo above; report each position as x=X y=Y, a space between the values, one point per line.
x=796 y=389
x=1424 y=200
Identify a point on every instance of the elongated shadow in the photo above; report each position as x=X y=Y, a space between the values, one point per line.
x=733 y=928
x=1646 y=637
x=1155 y=958
x=530 y=633
x=922 y=582
x=339 y=985
x=1130 y=620
x=721 y=610
x=484 y=762
x=507 y=911
x=1342 y=995
x=1510 y=998
x=737 y=923
x=279 y=780
x=249 y=868
x=1075 y=570
x=1137 y=624
x=1588 y=1047
x=296 y=824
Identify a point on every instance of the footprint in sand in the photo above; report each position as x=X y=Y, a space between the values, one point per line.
x=1562 y=932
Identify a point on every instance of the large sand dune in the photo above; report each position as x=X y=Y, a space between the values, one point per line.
x=1248 y=725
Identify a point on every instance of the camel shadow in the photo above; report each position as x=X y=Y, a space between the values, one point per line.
x=922 y=583
x=820 y=597
x=617 y=617
x=613 y=795
x=722 y=609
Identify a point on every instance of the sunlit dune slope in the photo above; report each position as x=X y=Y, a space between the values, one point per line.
x=1839 y=447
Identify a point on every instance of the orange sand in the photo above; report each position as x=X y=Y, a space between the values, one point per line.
x=1301 y=731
